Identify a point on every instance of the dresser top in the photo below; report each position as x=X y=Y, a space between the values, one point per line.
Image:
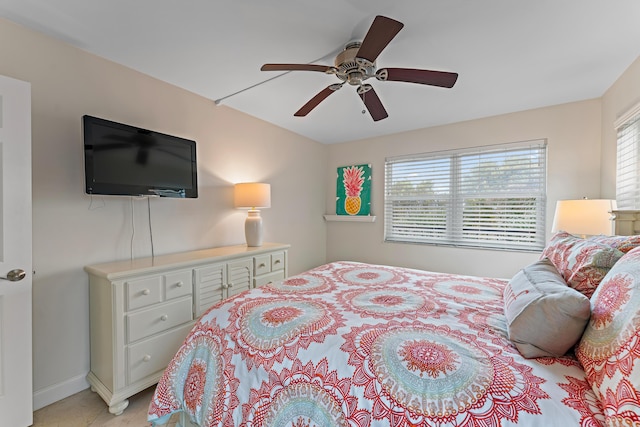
x=112 y=270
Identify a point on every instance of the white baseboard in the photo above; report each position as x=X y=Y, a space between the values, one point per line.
x=48 y=395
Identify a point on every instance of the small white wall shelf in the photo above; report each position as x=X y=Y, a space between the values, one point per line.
x=349 y=218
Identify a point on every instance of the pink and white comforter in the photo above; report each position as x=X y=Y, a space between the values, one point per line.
x=351 y=344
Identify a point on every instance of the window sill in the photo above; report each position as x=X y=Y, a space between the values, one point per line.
x=349 y=218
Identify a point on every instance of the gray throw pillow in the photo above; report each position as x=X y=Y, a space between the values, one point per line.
x=545 y=317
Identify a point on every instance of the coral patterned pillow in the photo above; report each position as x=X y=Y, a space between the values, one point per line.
x=621 y=243
x=610 y=346
x=582 y=263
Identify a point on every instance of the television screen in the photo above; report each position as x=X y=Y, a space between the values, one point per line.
x=129 y=161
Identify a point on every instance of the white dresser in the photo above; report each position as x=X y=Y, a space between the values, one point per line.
x=141 y=310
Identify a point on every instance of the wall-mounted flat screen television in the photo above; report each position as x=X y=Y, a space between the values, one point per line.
x=124 y=160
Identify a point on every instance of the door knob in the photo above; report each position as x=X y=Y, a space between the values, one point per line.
x=15 y=275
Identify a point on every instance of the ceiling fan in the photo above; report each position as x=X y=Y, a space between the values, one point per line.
x=357 y=63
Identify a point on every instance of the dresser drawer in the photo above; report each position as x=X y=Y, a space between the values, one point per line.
x=277 y=261
x=262 y=265
x=178 y=284
x=143 y=292
x=159 y=318
x=268 y=278
x=153 y=355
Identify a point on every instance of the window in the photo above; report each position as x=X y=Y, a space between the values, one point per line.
x=488 y=197
x=628 y=160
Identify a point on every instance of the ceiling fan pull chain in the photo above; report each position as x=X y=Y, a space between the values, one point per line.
x=364 y=111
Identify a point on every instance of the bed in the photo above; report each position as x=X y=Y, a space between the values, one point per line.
x=354 y=344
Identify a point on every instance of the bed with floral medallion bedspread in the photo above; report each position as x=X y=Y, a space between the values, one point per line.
x=353 y=344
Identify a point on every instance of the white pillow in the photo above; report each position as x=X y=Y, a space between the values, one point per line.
x=545 y=317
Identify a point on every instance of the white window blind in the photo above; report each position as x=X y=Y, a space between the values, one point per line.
x=489 y=197
x=628 y=160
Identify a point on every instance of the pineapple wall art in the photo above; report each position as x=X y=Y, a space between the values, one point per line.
x=354 y=190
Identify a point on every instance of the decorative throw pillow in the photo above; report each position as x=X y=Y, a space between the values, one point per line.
x=581 y=262
x=622 y=243
x=545 y=317
x=610 y=346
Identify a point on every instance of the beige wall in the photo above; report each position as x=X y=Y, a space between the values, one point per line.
x=72 y=229
x=573 y=136
x=621 y=97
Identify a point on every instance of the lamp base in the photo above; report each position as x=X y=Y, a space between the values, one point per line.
x=253 y=228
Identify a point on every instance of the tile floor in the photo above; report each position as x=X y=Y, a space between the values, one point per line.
x=87 y=409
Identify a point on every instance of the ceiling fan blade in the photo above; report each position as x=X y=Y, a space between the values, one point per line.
x=380 y=34
x=295 y=67
x=373 y=104
x=313 y=102
x=412 y=75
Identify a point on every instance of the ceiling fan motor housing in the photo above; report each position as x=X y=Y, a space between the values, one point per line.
x=352 y=69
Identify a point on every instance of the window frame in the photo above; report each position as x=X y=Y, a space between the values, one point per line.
x=454 y=217
x=627 y=129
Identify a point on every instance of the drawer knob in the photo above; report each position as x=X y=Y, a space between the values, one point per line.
x=225 y=286
x=146 y=357
x=179 y=284
x=231 y=285
x=262 y=265
x=277 y=261
x=164 y=317
x=146 y=292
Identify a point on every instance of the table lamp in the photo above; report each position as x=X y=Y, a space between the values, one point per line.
x=252 y=195
x=584 y=217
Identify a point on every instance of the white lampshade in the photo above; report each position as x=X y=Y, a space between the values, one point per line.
x=252 y=195
x=584 y=217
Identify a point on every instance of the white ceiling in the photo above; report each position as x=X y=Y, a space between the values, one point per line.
x=511 y=55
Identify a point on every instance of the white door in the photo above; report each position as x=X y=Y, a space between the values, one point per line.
x=16 y=395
